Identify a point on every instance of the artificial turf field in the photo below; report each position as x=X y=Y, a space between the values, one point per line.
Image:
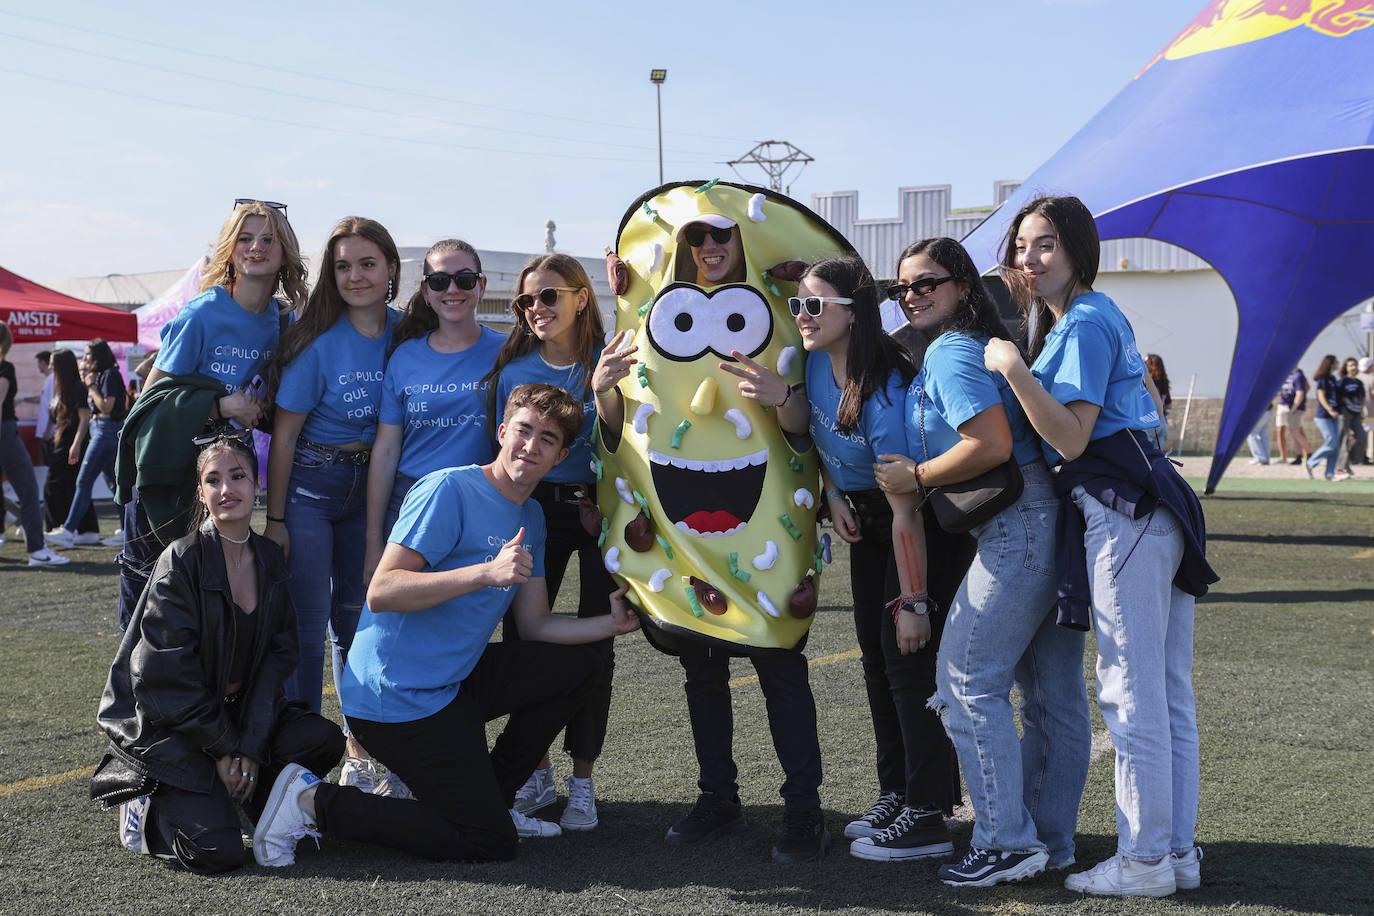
x=1284 y=677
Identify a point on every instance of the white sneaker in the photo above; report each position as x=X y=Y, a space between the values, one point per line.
x=580 y=814
x=86 y=539
x=358 y=772
x=114 y=540
x=132 y=817
x=60 y=537
x=45 y=557
x=537 y=793
x=533 y=826
x=390 y=786
x=1123 y=877
x=283 y=823
x=1187 y=868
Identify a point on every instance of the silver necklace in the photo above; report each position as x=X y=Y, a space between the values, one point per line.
x=238 y=560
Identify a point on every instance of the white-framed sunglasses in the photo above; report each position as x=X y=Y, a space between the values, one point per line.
x=813 y=304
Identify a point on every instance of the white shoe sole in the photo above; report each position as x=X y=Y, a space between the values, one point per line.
x=1026 y=870
x=579 y=827
x=884 y=854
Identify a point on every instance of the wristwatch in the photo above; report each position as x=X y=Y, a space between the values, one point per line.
x=920 y=606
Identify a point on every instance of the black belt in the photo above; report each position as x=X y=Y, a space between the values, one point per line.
x=570 y=493
x=331 y=455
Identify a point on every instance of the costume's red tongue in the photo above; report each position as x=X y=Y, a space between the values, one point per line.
x=712 y=522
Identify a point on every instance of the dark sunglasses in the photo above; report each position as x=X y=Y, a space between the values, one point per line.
x=239 y=202
x=695 y=235
x=813 y=304
x=920 y=287
x=465 y=279
x=233 y=434
x=546 y=296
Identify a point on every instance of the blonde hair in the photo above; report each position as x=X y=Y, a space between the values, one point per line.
x=291 y=277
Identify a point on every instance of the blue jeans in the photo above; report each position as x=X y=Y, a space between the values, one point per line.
x=1258 y=439
x=1001 y=629
x=326 y=519
x=1329 y=450
x=1144 y=627
x=99 y=460
x=17 y=467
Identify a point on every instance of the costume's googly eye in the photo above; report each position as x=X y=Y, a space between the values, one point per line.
x=684 y=323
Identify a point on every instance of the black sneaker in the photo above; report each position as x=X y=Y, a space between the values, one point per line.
x=914 y=834
x=878 y=818
x=804 y=837
x=986 y=867
x=711 y=817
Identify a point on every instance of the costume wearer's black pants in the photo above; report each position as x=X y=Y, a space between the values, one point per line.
x=463 y=793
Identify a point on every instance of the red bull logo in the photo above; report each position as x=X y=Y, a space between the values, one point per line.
x=1226 y=23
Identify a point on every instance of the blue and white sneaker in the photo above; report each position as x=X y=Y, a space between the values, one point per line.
x=986 y=867
x=283 y=824
x=132 y=820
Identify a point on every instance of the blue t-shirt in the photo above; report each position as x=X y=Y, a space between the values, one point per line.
x=405 y=666
x=214 y=335
x=880 y=431
x=577 y=467
x=1091 y=355
x=440 y=402
x=336 y=381
x=1350 y=395
x=1326 y=384
x=1288 y=391
x=957 y=387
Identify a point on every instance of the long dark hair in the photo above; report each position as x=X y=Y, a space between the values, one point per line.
x=324 y=306
x=872 y=354
x=419 y=319
x=68 y=393
x=977 y=313
x=1154 y=364
x=236 y=445
x=1077 y=234
x=590 y=334
x=101 y=355
x=1324 y=368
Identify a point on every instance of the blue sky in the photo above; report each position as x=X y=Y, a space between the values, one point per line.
x=132 y=127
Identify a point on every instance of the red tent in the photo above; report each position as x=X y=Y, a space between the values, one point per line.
x=37 y=314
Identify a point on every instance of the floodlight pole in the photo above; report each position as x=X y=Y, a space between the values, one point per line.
x=657 y=77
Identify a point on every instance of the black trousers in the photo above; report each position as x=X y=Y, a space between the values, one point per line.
x=586 y=732
x=914 y=754
x=59 y=487
x=200 y=832
x=463 y=792
x=791 y=720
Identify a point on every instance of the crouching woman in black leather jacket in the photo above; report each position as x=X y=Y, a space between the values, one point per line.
x=195 y=705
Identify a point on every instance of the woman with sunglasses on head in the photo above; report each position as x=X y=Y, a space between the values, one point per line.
x=1131 y=543
x=856 y=380
x=69 y=412
x=195 y=704
x=106 y=401
x=557 y=340
x=208 y=374
x=328 y=374
x=962 y=421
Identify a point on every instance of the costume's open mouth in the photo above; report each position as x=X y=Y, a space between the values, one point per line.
x=709 y=499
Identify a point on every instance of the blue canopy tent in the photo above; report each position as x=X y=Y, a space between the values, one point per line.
x=1248 y=141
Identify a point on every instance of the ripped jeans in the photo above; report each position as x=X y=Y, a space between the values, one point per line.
x=326 y=519
x=1001 y=630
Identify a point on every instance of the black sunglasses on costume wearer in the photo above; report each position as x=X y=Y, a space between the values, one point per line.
x=546 y=296
x=920 y=287
x=466 y=279
x=695 y=235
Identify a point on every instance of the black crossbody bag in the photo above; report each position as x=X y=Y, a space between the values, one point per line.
x=962 y=506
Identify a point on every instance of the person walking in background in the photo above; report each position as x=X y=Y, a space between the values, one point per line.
x=1154 y=365
x=1258 y=440
x=1288 y=417
x=70 y=414
x=106 y=399
x=1367 y=434
x=42 y=423
x=1350 y=396
x=16 y=465
x=1327 y=417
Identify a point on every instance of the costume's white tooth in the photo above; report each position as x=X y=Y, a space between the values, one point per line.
x=622 y=486
x=767 y=604
x=759 y=457
x=613 y=560
x=656 y=260
x=657 y=580
x=785 y=360
x=769 y=556
x=742 y=426
x=803 y=498
x=641 y=420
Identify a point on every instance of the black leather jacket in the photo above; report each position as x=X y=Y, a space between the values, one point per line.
x=163 y=706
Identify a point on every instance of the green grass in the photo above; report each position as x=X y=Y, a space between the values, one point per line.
x=1284 y=685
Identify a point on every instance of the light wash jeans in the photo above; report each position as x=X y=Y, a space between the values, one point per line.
x=1330 y=448
x=1001 y=628
x=326 y=518
x=99 y=460
x=1258 y=440
x=1144 y=627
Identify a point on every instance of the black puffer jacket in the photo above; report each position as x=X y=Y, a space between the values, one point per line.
x=163 y=706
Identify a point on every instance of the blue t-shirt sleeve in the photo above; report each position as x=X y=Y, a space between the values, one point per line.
x=960 y=385
x=1084 y=365
x=431 y=520
x=884 y=419
x=393 y=407
x=182 y=345
x=302 y=383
